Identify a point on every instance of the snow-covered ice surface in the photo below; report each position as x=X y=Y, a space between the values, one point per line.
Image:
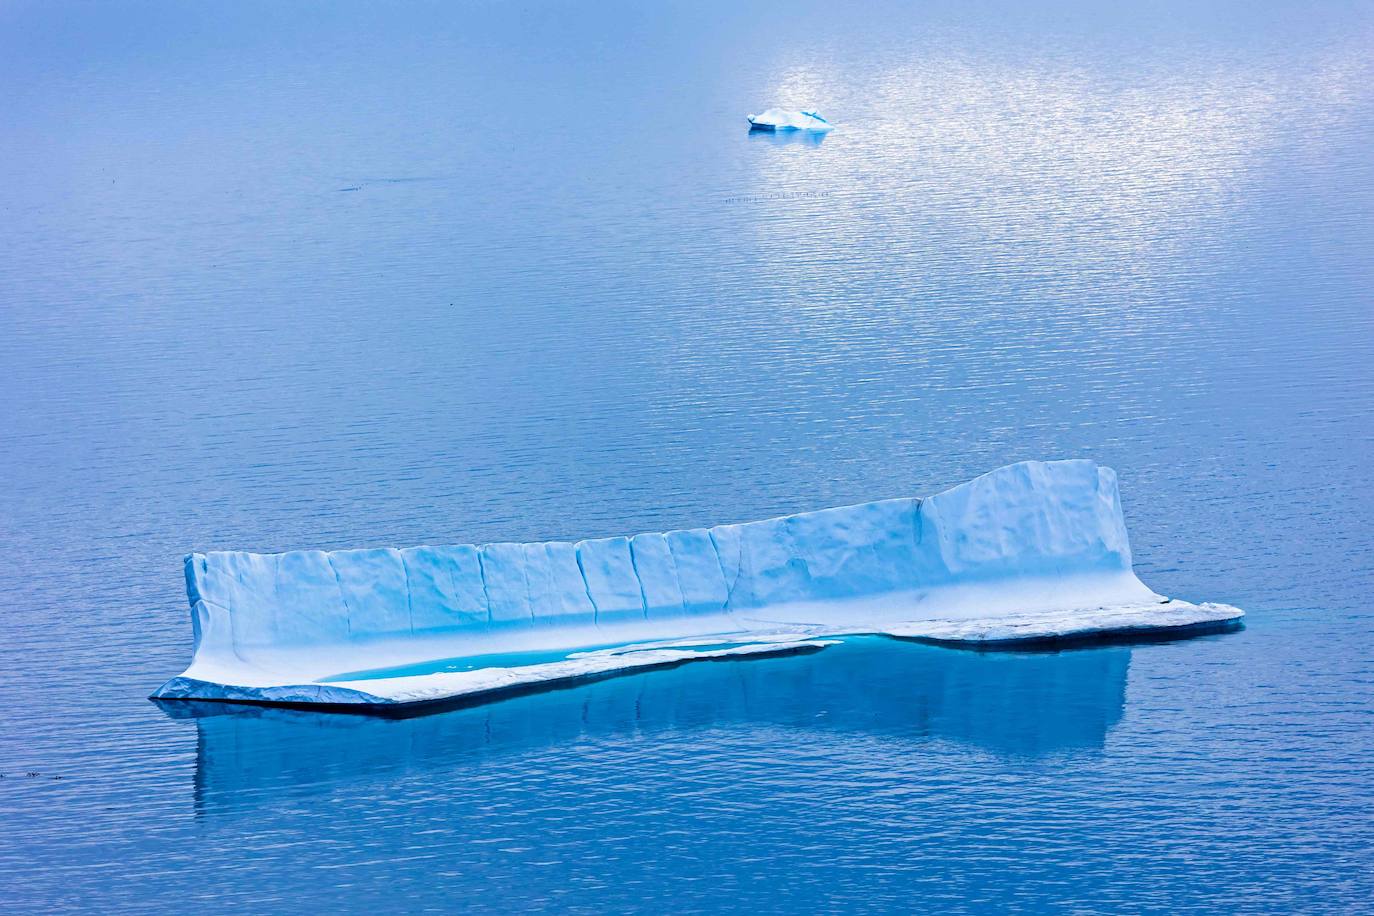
x=1035 y=551
x=782 y=119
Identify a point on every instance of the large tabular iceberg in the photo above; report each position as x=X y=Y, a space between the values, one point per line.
x=1033 y=551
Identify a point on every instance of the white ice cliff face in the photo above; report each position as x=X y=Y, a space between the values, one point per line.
x=1035 y=550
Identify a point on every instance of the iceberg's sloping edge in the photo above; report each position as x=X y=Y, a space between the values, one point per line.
x=474 y=686
x=189 y=688
x=1161 y=620
x=1171 y=619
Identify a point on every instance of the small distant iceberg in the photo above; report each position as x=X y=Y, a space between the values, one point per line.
x=779 y=119
x=1032 y=552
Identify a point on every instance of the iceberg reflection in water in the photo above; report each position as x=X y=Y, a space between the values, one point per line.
x=1007 y=704
x=788 y=137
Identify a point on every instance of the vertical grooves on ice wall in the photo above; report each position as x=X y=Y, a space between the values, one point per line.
x=916 y=527
x=729 y=584
x=343 y=599
x=677 y=577
x=798 y=551
x=1036 y=521
x=452 y=582
x=639 y=580
x=586 y=586
x=410 y=594
x=235 y=621
x=486 y=595
x=529 y=596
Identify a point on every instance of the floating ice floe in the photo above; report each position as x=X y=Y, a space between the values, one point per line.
x=778 y=119
x=1035 y=551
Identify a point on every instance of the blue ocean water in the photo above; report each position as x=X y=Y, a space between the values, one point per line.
x=277 y=276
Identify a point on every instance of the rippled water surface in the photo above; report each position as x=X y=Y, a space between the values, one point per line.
x=276 y=276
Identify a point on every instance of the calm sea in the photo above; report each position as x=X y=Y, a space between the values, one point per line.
x=277 y=276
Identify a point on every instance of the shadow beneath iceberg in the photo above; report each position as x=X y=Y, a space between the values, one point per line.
x=1069 y=642
x=1006 y=704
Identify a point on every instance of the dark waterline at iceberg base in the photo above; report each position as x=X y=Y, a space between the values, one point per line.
x=1143 y=238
